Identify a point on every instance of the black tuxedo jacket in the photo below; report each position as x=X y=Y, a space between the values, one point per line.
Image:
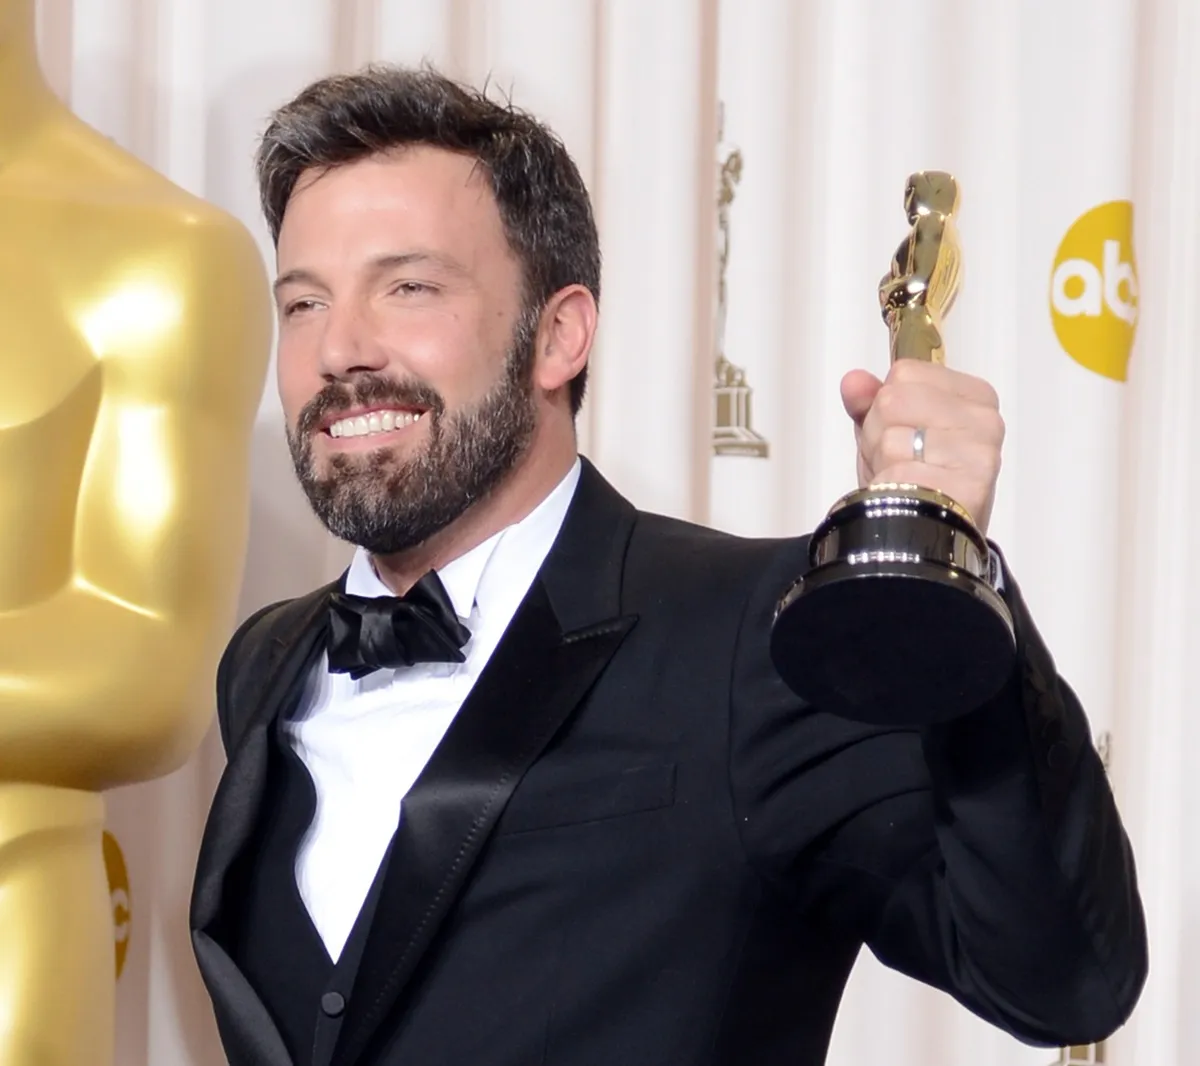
x=636 y=846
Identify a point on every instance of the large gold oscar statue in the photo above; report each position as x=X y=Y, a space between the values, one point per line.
x=134 y=338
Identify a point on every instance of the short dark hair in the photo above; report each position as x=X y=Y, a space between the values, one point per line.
x=542 y=199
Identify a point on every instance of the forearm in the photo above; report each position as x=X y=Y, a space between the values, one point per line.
x=985 y=856
x=1029 y=906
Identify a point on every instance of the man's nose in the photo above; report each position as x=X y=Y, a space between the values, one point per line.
x=348 y=345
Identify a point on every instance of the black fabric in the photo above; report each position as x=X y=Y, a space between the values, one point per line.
x=368 y=633
x=462 y=792
x=274 y=941
x=635 y=844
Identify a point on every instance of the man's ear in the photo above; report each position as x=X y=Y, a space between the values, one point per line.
x=565 y=335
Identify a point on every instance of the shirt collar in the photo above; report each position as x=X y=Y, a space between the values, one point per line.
x=464 y=577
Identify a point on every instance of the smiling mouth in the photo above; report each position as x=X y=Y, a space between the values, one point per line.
x=368 y=425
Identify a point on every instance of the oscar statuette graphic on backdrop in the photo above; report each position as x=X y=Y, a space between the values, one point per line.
x=733 y=432
x=1089 y=1055
x=125 y=427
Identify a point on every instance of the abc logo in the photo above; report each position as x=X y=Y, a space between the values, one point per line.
x=1094 y=290
x=118 y=886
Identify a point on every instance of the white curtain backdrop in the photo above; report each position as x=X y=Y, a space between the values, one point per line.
x=1074 y=128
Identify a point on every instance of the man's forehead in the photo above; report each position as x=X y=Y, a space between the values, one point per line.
x=406 y=200
x=411 y=167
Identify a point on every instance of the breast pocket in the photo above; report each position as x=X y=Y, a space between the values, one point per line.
x=592 y=799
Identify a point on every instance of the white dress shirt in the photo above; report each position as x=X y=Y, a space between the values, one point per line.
x=365 y=742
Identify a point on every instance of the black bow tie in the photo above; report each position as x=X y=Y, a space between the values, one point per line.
x=371 y=633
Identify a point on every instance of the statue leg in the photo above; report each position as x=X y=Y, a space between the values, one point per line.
x=57 y=968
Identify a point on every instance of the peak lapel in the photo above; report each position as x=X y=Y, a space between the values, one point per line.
x=542 y=669
x=293 y=650
x=241 y=1016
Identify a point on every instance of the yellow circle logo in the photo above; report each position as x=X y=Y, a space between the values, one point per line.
x=118 y=886
x=1094 y=290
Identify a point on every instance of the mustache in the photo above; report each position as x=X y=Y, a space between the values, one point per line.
x=369 y=390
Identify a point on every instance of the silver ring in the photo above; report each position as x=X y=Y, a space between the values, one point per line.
x=919 y=445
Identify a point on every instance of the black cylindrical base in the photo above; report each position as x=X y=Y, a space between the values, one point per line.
x=897 y=622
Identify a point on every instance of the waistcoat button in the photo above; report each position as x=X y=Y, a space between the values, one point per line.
x=333 y=1003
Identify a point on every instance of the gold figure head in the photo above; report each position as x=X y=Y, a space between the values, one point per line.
x=919 y=289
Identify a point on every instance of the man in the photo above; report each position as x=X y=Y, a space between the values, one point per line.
x=524 y=787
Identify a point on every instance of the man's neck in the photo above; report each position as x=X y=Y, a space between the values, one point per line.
x=26 y=100
x=526 y=487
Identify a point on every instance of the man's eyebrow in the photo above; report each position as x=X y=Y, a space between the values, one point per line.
x=299 y=276
x=391 y=260
x=376 y=265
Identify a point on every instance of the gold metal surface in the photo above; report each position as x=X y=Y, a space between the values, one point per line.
x=136 y=335
x=920 y=288
x=882 y=492
x=924 y=278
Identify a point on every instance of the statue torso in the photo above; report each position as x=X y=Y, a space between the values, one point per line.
x=86 y=248
x=50 y=400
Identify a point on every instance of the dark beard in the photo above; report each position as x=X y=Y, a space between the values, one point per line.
x=386 y=505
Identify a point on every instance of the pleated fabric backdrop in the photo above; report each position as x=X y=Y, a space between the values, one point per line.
x=748 y=160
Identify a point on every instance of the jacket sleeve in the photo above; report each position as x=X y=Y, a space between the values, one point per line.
x=985 y=857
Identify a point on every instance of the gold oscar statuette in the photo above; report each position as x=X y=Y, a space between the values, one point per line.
x=898 y=620
x=135 y=329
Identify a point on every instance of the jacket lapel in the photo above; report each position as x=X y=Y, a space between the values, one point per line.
x=558 y=644
x=273 y=678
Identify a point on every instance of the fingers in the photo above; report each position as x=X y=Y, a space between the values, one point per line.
x=948 y=417
x=944 y=378
x=859 y=389
x=960 y=415
x=948 y=453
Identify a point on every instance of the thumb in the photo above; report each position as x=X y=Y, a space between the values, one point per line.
x=858 y=393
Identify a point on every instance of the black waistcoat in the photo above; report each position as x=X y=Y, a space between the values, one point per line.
x=272 y=938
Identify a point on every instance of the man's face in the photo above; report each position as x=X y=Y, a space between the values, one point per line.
x=404 y=354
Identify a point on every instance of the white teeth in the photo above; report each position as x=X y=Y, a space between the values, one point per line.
x=376 y=422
